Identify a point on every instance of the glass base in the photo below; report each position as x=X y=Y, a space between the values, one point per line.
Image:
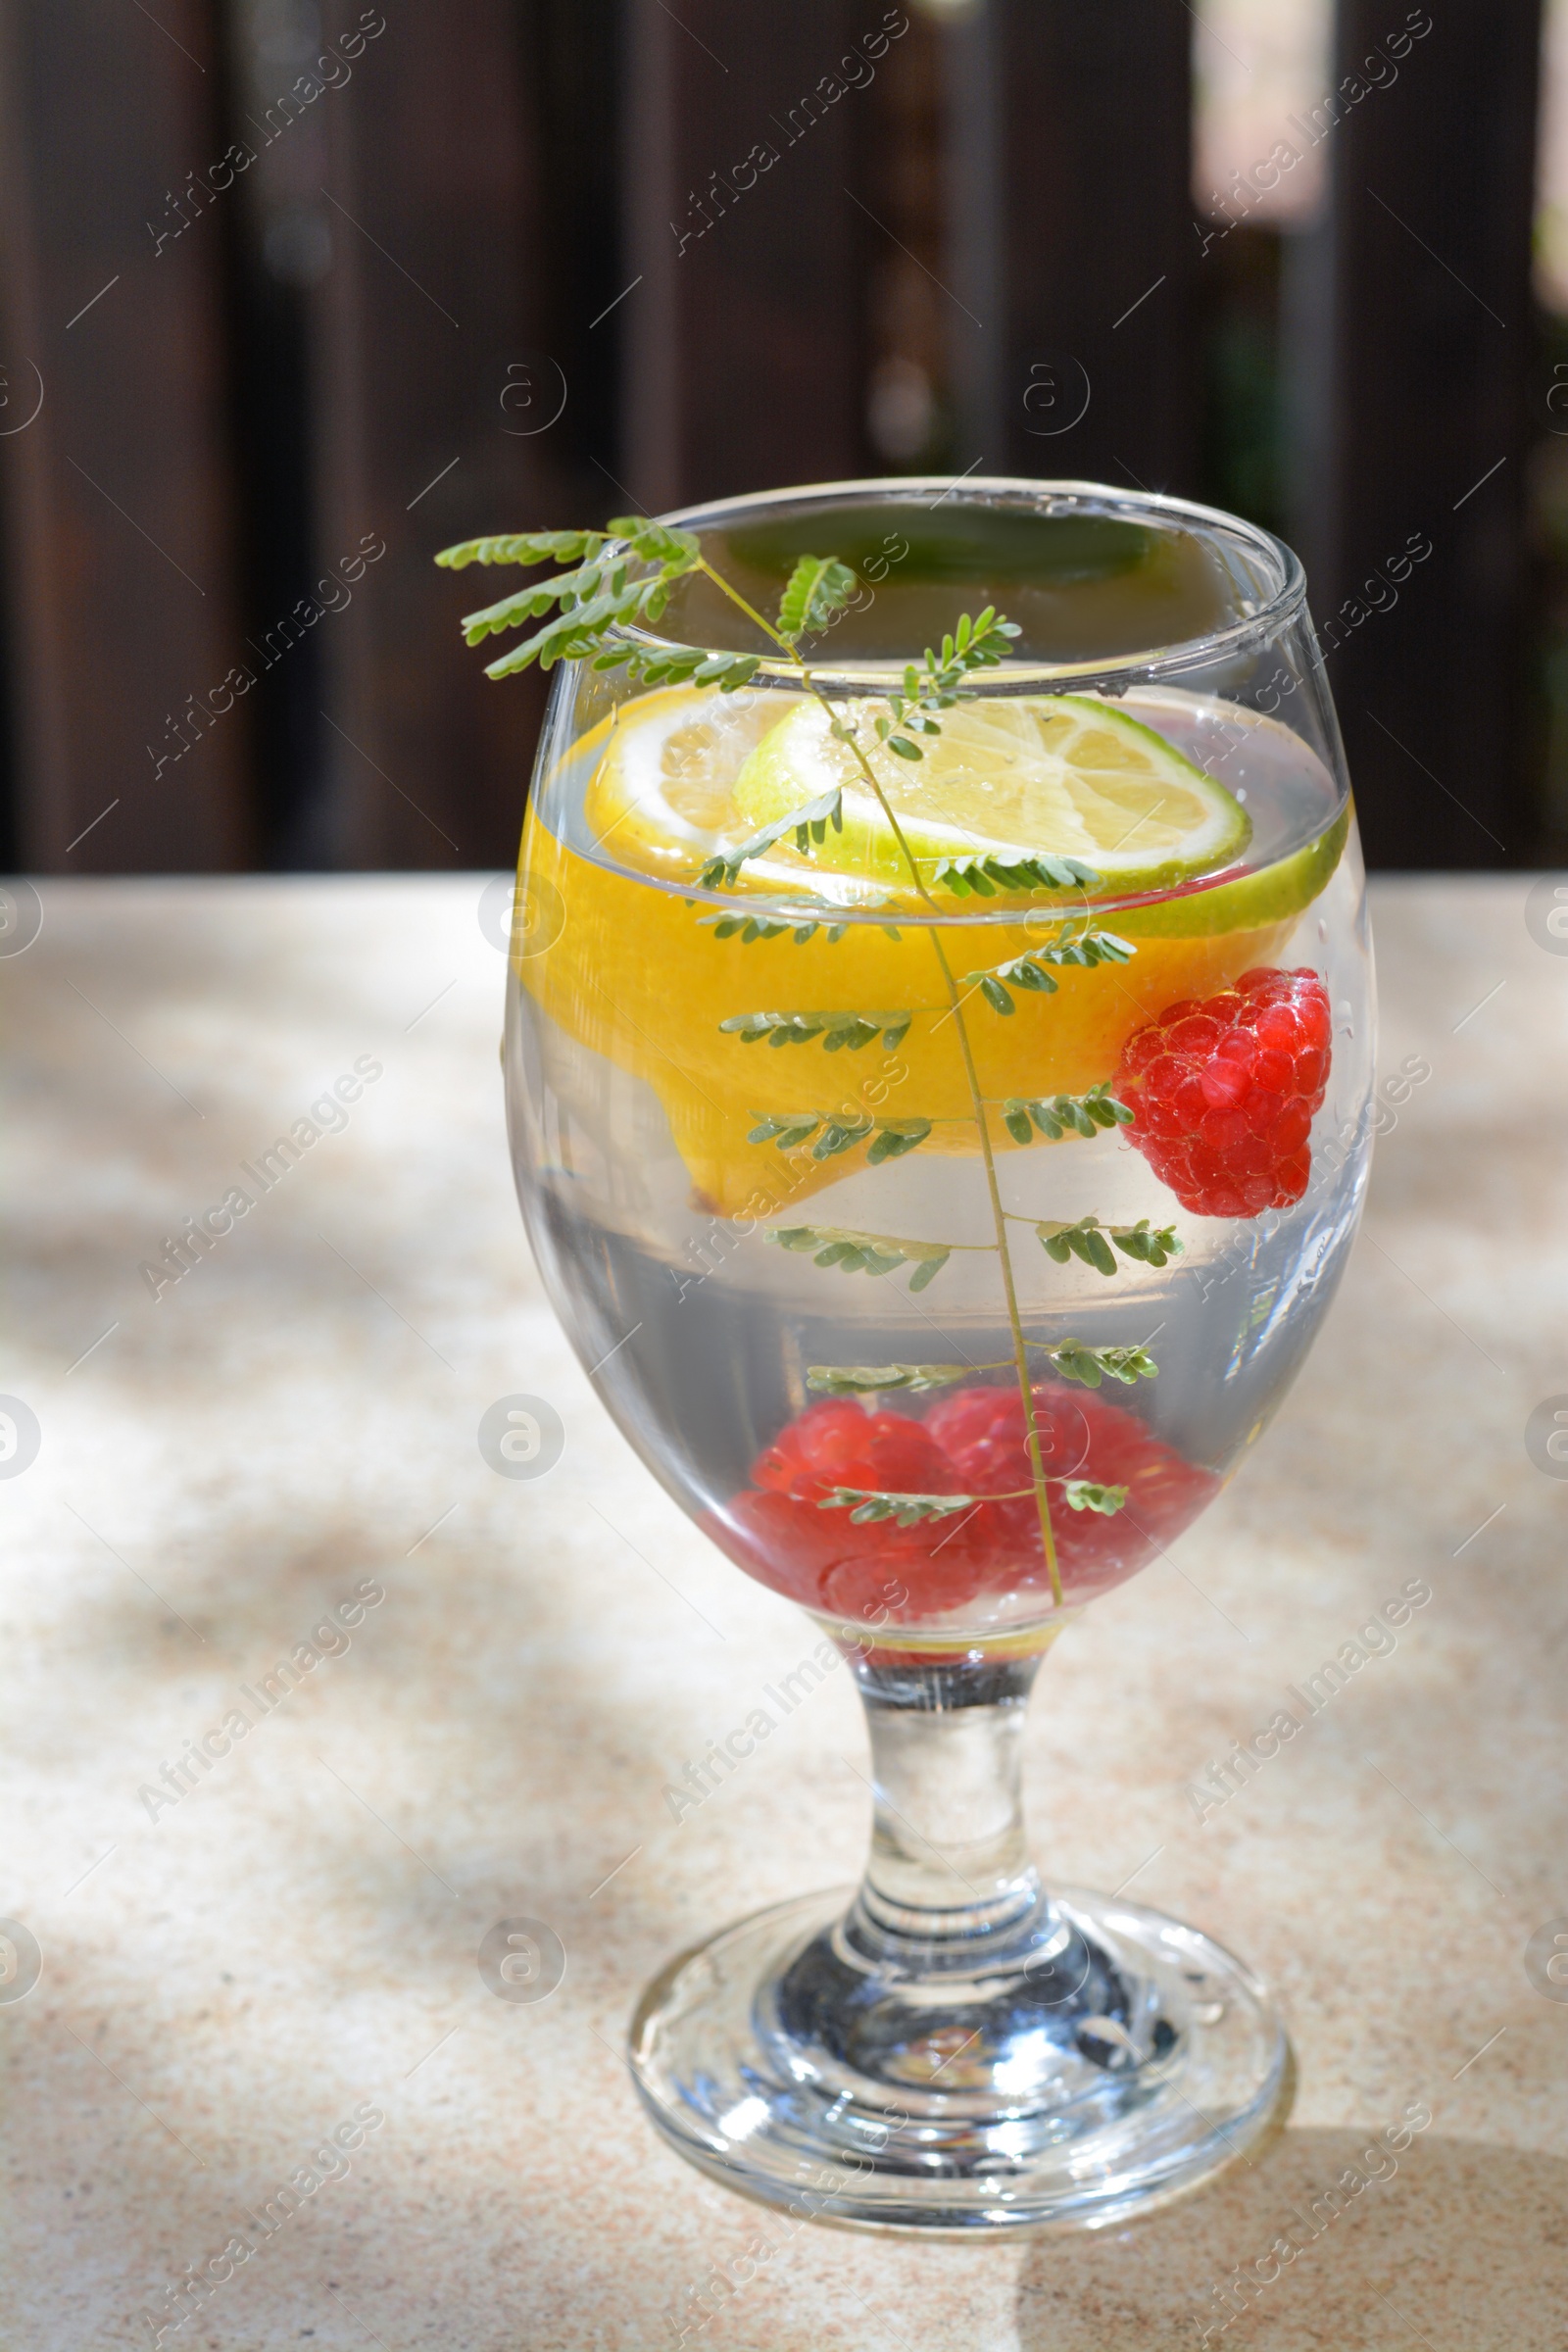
x=1096 y=2060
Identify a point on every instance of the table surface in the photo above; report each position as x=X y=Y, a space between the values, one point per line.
x=228 y=1977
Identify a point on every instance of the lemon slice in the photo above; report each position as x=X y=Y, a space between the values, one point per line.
x=1062 y=775
x=661 y=793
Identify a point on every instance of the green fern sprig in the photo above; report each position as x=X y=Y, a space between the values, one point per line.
x=587 y=610
x=597 y=596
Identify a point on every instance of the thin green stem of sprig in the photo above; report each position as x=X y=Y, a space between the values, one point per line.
x=1020 y=1346
x=1020 y=1353
x=1003 y=1253
x=735 y=597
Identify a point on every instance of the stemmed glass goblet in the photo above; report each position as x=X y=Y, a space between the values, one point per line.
x=937 y=1064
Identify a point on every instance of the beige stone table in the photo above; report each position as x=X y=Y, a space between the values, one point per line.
x=231 y=1977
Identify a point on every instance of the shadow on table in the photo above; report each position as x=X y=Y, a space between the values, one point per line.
x=1465 y=2247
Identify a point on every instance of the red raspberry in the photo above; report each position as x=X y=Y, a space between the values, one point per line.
x=1082 y=1435
x=822 y=1557
x=841 y=1444
x=971 y=1443
x=1224 y=1092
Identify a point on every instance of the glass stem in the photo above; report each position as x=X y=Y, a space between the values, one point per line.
x=949 y=1859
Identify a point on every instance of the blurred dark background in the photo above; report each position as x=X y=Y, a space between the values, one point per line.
x=293 y=292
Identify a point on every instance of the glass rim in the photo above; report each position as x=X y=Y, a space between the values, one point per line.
x=1281 y=606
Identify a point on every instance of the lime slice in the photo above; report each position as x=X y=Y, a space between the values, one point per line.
x=1275 y=894
x=1062 y=775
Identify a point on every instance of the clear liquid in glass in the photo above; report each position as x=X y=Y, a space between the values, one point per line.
x=652 y=1214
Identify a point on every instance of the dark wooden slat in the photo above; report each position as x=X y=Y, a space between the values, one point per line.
x=1073 y=240
x=1431 y=341
x=118 y=499
x=744 y=337
x=906 y=303
x=427 y=303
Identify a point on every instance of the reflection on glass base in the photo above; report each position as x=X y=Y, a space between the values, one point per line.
x=1106 y=2060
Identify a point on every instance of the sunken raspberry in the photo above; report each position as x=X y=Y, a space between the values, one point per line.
x=1224 y=1092
x=841 y=1445
x=974 y=1441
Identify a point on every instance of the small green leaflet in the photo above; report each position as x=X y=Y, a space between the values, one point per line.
x=818 y=587
x=891 y=1138
x=834 y=1029
x=807 y=825
x=1056 y=1115
x=866 y=1253
x=748 y=928
x=868 y=1380
x=864 y=1504
x=726 y=672
x=1090 y=1365
x=1151 y=1246
x=979 y=641
x=772 y=923
x=526 y=603
x=1082 y=1494
x=656 y=542
x=894 y=1136
x=1089 y=1241
x=986 y=875
x=1027 y=971
x=887 y=730
x=523 y=546
x=673 y=551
